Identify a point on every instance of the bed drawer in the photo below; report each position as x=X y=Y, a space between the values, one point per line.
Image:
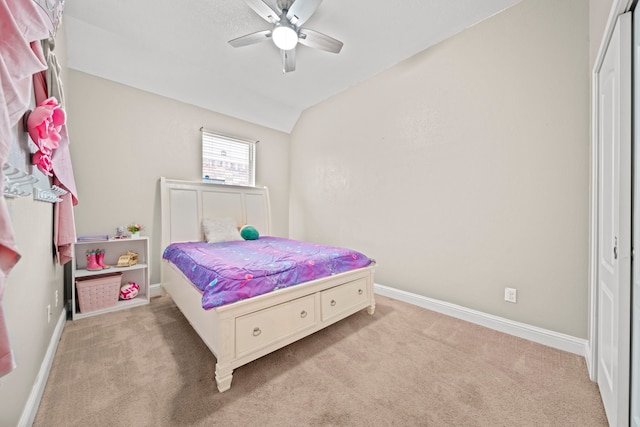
x=338 y=300
x=259 y=329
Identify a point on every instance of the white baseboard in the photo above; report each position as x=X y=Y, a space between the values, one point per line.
x=155 y=290
x=31 y=407
x=532 y=333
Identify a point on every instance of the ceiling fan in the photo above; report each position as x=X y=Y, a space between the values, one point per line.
x=287 y=16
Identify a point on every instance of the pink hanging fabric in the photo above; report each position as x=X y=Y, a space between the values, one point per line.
x=48 y=84
x=62 y=167
x=64 y=230
x=22 y=25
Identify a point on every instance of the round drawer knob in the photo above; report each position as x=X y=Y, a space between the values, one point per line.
x=333 y=302
x=359 y=291
x=303 y=314
x=256 y=331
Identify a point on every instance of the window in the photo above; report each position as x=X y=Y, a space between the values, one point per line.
x=227 y=160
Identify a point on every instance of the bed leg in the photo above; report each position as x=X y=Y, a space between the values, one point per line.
x=223 y=378
x=372 y=308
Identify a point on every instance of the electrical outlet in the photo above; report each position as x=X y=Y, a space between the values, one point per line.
x=56 y=297
x=510 y=294
x=48 y=313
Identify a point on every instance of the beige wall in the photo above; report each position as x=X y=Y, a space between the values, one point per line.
x=123 y=140
x=30 y=287
x=464 y=170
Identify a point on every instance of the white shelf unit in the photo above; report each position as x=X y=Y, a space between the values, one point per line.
x=138 y=273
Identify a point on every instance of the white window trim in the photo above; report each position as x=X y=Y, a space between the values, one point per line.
x=213 y=137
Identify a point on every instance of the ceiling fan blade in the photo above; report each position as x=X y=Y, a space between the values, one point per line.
x=301 y=10
x=264 y=10
x=288 y=60
x=253 y=38
x=318 y=40
x=273 y=4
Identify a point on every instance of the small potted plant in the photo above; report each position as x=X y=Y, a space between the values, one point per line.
x=134 y=229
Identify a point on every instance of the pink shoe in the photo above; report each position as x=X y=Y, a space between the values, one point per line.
x=92 y=264
x=100 y=259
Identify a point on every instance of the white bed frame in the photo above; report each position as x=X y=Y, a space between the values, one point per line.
x=246 y=330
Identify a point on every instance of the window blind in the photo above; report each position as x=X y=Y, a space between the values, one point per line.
x=227 y=160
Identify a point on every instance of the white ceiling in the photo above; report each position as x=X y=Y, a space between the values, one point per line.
x=179 y=49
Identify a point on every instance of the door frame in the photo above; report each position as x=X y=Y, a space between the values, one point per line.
x=634 y=377
x=618 y=7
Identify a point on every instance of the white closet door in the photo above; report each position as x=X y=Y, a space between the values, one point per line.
x=635 y=313
x=614 y=224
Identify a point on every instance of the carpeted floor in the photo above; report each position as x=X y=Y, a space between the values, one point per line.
x=403 y=366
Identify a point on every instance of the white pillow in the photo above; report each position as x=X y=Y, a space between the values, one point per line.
x=220 y=230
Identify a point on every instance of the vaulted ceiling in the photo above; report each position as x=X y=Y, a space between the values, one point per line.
x=180 y=49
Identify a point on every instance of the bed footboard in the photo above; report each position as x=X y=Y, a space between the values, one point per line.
x=241 y=332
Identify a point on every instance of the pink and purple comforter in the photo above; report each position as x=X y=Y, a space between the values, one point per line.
x=231 y=271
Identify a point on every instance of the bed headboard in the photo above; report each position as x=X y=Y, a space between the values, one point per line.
x=185 y=203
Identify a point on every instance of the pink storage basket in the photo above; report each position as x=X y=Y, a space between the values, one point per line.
x=98 y=292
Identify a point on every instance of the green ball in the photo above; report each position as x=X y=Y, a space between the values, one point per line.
x=249 y=232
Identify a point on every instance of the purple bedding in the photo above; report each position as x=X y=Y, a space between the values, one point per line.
x=231 y=271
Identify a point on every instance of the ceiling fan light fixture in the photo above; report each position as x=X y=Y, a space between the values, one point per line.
x=284 y=37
